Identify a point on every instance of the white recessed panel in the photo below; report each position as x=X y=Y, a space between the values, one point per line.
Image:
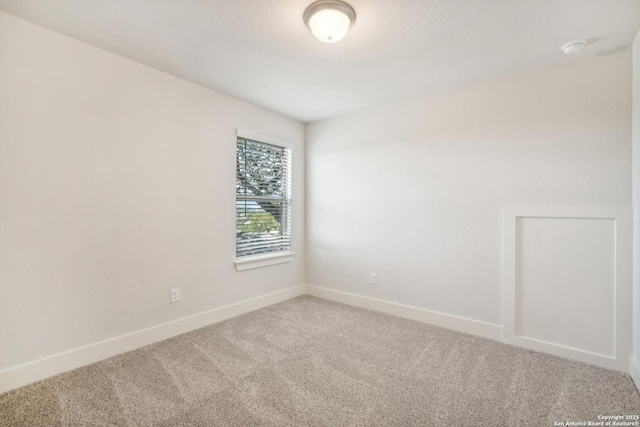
x=565 y=282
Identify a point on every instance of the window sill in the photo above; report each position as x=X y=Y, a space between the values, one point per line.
x=258 y=261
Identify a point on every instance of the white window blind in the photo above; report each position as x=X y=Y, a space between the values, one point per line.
x=263 y=198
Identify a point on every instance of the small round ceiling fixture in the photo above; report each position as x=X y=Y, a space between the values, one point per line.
x=573 y=47
x=329 y=20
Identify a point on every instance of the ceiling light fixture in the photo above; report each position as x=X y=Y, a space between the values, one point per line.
x=573 y=47
x=329 y=20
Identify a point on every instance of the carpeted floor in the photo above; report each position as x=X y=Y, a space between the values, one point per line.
x=311 y=362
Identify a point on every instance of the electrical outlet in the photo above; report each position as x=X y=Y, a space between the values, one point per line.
x=374 y=278
x=175 y=295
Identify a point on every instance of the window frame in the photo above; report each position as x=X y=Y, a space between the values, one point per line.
x=248 y=262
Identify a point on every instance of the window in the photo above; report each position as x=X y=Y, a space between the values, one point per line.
x=263 y=199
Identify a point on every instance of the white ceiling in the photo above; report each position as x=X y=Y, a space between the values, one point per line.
x=261 y=51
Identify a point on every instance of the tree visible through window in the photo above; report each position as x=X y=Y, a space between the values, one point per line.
x=263 y=198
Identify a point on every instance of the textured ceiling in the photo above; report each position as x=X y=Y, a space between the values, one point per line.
x=261 y=51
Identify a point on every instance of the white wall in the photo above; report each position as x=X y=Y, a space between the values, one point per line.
x=116 y=184
x=635 y=361
x=415 y=190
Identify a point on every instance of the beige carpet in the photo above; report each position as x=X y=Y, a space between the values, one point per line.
x=310 y=362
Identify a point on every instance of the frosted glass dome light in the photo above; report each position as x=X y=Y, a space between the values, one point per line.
x=329 y=20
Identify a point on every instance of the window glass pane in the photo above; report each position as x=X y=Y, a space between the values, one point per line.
x=259 y=169
x=262 y=205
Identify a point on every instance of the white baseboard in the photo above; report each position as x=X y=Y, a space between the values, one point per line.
x=634 y=370
x=40 y=369
x=448 y=321
x=28 y=373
